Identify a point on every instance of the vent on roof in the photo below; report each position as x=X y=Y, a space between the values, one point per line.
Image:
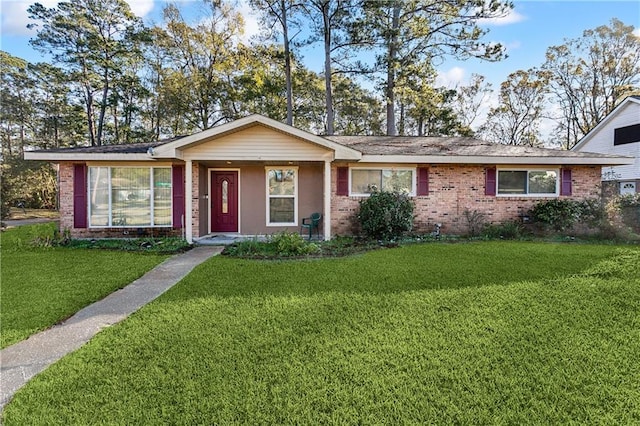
x=628 y=134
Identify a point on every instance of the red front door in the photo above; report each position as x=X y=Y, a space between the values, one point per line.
x=224 y=201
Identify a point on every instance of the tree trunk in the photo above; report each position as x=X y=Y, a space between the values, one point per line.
x=56 y=132
x=103 y=110
x=287 y=62
x=401 y=128
x=391 y=72
x=116 y=128
x=327 y=68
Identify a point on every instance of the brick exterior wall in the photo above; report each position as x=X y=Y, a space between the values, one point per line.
x=454 y=189
x=65 y=191
x=195 y=200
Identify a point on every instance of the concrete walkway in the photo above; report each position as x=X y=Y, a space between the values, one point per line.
x=20 y=362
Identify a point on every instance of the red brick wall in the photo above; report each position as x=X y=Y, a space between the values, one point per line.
x=452 y=190
x=65 y=181
x=195 y=200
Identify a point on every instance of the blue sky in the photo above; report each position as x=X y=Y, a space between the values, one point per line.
x=532 y=26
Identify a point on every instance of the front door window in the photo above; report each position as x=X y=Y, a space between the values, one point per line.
x=225 y=196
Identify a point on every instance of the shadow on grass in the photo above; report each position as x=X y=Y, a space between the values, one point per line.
x=415 y=267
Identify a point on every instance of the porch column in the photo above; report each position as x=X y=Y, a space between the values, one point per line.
x=188 y=199
x=327 y=200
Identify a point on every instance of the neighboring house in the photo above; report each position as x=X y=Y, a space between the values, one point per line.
x=257 y=176
x=618 y=134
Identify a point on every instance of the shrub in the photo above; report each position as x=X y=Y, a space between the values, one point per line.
x=563 y=214
x=510 y=230
x=386 y=215
x=475 y=221
x=558 y=214
x=291 y=244
x=52 y=239
x=246 y=248
x=624 y=213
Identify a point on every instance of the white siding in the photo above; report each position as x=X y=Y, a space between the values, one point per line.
x=601 y=141
x=257 y=143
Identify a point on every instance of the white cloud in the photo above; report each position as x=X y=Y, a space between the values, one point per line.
x=251 y=23
x=15 y=17
x=450 y=78
x=512 y=17
x=141 y=7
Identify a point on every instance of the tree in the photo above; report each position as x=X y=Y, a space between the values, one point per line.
x=262 y=82
x=284 y=14
x=589 y=75
x=92 y=39
x=469 y=100
x=330 y=20
x=204 y=60
x=404 y=32
x=16 y=104
x=516 y=120
x=58 y=120
x=357 y=110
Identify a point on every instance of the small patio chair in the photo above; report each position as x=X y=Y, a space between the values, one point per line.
x=312 y=222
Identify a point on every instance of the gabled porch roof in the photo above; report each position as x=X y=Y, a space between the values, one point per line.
x=176 y=148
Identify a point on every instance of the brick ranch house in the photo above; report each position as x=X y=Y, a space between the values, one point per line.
x=257 y=176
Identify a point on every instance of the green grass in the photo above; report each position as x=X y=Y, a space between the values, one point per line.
x=43 y=286
x=478 y=333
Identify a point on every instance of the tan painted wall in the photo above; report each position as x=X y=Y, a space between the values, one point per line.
x=257 y=143
x=253 y=198
x=454 y=188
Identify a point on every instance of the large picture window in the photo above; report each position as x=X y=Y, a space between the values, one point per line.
x=528 y=182
x=282 y=193
x=129 y=196
x=366 y=181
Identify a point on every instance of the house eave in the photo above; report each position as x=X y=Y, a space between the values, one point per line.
x=77 y=156
x=487 y=159
x=586 y=138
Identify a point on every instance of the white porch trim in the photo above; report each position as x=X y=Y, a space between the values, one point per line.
x=327 y=200
x=188 y=200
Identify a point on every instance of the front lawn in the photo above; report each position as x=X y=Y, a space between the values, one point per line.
x=43 y=286
x=477 y=333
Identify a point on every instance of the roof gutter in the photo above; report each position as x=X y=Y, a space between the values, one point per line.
x=488 y=159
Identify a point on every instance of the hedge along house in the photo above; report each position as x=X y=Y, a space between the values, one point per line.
x=257 y=176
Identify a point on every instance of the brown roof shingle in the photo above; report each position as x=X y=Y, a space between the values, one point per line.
x=446 y=146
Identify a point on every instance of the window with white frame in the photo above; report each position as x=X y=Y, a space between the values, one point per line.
x=282 y=196
x=627 y=188
x=129 y=196
x=367 y=180
x=537 y=182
